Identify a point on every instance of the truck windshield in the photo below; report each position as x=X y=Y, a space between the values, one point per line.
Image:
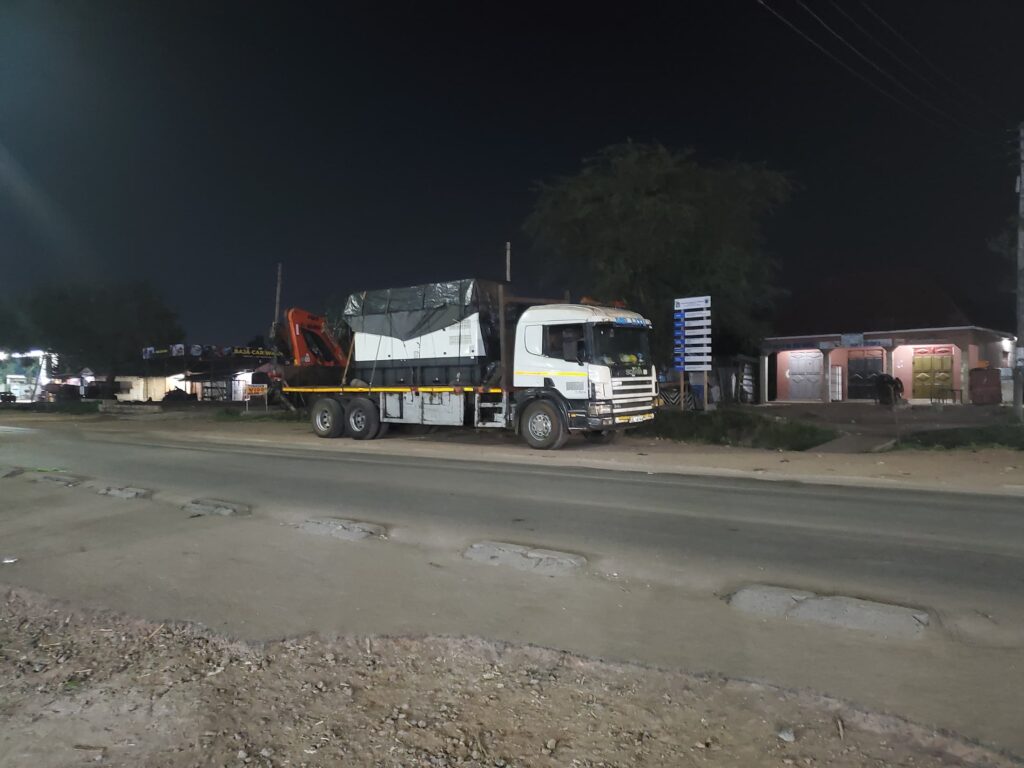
x=618 y=346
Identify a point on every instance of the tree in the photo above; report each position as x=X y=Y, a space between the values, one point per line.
x=13 y=337
x=99 y=326
x=642 y=223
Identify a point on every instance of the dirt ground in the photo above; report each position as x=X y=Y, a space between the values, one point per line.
x=82 y=688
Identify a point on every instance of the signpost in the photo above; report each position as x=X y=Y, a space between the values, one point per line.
x=692 y=347
x=256 y=390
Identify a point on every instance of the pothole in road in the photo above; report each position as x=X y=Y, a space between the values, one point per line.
x=125 y=492
x=547 y=562
x=68 y=481
x=206 y=507
x=340 y=528
x=887 y=619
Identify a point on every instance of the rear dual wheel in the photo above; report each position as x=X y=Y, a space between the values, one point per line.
x=362 y=420
x=327 y=417
x=359 y=420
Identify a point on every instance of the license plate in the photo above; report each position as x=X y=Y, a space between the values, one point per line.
x=634 y=419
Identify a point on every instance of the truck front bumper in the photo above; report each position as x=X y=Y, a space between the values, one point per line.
x=579 y=421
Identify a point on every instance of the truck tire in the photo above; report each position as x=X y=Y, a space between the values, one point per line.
x=604 y=437
x=362 y=421
x=542 y=426
x=327 y=417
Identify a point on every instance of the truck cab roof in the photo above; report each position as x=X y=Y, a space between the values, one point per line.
x=583 y=313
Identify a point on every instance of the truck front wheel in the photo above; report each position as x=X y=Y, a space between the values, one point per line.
x=542 y=426
x=327 y=417
x=362 y=419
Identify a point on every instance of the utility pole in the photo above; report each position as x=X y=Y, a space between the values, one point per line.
x=1018 y=361
x=508 y=262
x=277 y=308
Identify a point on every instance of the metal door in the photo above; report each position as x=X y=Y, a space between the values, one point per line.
x=933 y=371
x=862 y=369
x=805 y=375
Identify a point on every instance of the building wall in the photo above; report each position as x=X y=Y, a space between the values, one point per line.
x=143 y=388
x=839 y=357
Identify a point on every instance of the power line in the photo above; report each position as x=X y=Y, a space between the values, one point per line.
x=883 y=72
x=884 y=47
x=921 y=55
x=859 y=75
x=989 y=146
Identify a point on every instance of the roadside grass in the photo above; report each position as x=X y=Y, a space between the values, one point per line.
x=990 y=436
x=733 y=426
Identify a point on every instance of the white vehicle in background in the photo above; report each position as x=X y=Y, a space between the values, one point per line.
x=464 y=353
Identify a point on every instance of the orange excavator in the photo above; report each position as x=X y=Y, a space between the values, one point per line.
x=312 y=354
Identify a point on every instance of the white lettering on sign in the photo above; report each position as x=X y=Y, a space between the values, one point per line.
x=694 y=302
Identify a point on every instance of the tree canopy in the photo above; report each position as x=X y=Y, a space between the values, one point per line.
x=100 y=326
x=646 y=224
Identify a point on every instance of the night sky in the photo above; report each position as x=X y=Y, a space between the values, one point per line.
x=197 y=144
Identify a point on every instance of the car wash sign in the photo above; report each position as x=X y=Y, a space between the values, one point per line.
x=692 y=347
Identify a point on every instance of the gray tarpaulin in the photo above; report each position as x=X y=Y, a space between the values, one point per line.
x=405 y=313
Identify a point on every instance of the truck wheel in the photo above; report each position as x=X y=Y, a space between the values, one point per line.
x=602 y=438
x=362 y=421
x=542 y=426
x=327 y=417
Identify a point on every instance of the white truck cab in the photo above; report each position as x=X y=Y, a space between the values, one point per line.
x=593 y=362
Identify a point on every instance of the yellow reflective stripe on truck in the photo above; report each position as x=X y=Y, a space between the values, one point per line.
x=550 y=373
x=372 y=390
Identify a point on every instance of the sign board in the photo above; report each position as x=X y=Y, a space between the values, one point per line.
x=694 y=302
x=692 y=338
x=851 y=340
x=255 y=390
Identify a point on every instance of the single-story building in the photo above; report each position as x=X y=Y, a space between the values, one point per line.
x=933 y=364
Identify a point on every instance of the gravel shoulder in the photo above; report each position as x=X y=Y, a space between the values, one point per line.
x=94 y=688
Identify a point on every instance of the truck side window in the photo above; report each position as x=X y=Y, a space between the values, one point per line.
x=533 y=339
x=561 y=341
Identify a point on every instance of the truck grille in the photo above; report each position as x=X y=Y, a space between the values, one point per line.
x=633 y=395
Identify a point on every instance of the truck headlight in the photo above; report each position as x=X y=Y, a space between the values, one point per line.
x=599 y=409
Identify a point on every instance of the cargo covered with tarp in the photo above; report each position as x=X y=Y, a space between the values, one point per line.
x=425 y=334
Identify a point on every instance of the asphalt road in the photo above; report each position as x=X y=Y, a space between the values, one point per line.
x=962 y=550
x=662 y=551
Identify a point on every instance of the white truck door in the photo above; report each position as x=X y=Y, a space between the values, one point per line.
x=549 y=351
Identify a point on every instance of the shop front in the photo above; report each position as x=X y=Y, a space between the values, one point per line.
x=932 y=364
